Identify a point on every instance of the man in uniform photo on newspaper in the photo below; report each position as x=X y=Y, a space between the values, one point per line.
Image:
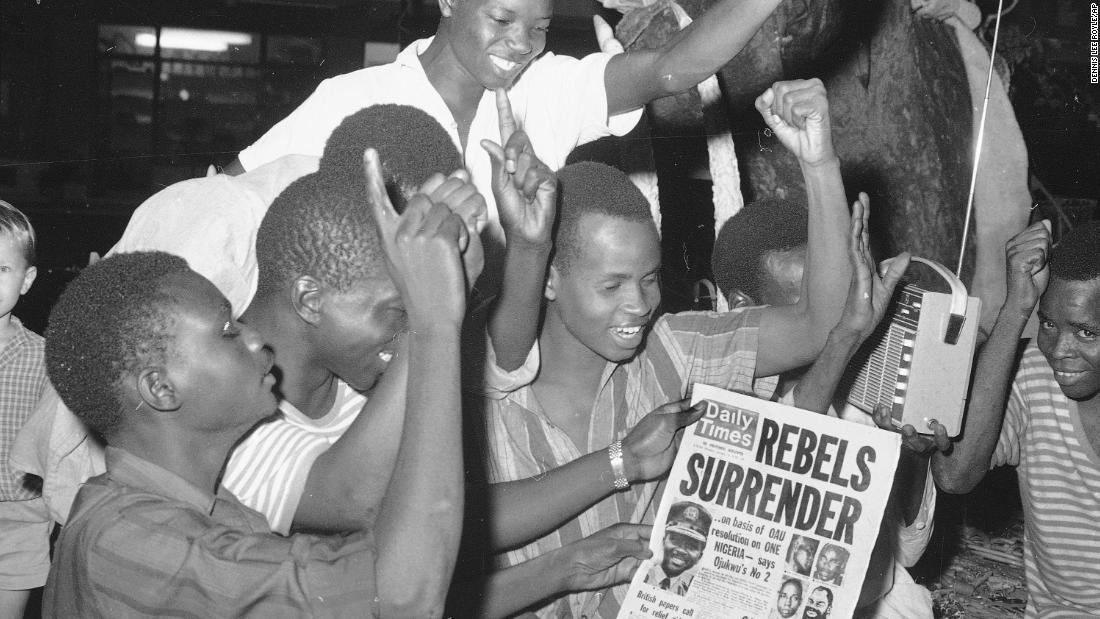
x=685 y=539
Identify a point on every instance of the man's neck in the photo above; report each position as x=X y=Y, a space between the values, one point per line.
x=199 y=460
x=460 y=91
x=564 y=360
x=303 y=380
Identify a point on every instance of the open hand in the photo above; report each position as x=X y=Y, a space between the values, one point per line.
x=869 y=293
x=605 y=558
x=423 y=248
x=524 y=187
x=798 y=113
x=650 y=446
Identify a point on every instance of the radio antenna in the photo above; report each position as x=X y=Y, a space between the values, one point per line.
x=980 y=141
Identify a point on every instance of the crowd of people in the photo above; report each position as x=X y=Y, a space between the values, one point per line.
x=401 y=361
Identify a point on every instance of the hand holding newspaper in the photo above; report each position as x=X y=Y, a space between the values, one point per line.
x=769 y=511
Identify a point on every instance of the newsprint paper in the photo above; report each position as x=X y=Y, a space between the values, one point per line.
x=769 y=512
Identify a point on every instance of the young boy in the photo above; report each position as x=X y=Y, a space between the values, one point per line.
x=163 y=372
x=24 y=530
x=1048 y=428
x=485 y=45
x=603 y=361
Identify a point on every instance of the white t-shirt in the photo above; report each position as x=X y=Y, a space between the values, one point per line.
x=560 y=101
x=267 y=471
x=212 y=223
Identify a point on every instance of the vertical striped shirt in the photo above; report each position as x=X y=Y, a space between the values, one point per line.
x=22 y=381
x=1059 y=478
x=269 y=468
x=144 y=542
x=680 y=350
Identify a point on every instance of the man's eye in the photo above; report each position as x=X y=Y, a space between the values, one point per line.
x=1046 y=324
x=1085 y=333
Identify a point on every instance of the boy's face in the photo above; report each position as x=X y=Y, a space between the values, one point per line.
x=219 y=367
x=611 y=290
x=358 y=330
x=16 y=276
x=494 y=40
x=1069 y=335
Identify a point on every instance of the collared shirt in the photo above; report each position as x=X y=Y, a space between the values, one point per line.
x=680 y=350
x=142 y=541
x=22 y=380
x=1059 y=478
x=269 y=474
x=559 y=101
x=677 y=584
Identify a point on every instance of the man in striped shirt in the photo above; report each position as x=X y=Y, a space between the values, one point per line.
x=603 y=360
x=1049 y=429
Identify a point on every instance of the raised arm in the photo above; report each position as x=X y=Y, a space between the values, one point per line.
x=966 y=464
x=526 y=195
x=420 y=520
x=689 y=57
x=347 y=482
x=792 y=336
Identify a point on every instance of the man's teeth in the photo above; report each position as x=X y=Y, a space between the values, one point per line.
x=628 y=331
x=1068 y=374
x=386 y=356
x=502 y=64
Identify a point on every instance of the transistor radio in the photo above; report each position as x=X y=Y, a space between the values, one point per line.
x=918 y=360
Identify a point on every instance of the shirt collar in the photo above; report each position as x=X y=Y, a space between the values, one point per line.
x=126 y=468
x=410 y=56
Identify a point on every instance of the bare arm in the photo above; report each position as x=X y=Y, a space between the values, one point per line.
x=695 y=53
x=420 y=519
x=603 y=559
x=961 y=469
x=346 y=483
x=792 y=336
x=527 y=509
x=526 y=194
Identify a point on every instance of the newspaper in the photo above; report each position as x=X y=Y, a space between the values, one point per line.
x=769 y=511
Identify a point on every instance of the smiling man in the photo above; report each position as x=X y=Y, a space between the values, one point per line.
x=561 y=102
x=1049 y=429
x=685 y=540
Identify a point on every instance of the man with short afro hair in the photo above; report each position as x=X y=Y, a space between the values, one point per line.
x=761 y=228
x=1043 y=420
x=592 y=188
x=127 y=305
x=319 y=228
x=605 y=363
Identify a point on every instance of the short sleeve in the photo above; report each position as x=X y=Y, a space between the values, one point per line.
x=268 y=470
x=498 y=382
x=305 y=130
x=1007 y=450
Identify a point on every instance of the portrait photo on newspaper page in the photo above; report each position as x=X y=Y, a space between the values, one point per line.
x=769 y=511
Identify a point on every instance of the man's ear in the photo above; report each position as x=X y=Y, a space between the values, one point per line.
x=553 y=281
x=447 y=7
x=156 y=390
x=307 y=297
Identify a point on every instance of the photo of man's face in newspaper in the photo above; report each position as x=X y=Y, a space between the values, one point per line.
x=819 y=604
x=685 y=540
x=800 y=556
x=830 y=564
x=788 y=599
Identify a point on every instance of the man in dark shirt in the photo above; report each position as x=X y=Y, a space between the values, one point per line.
x=147 y=353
